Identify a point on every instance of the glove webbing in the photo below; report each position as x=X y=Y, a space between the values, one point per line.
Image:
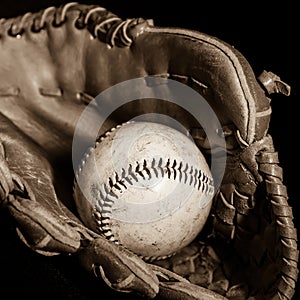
x=235 y=222
x=278 y=198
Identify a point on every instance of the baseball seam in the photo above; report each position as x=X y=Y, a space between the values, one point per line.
x=107 y=194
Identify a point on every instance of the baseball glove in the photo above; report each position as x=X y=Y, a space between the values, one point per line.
x=54 y=62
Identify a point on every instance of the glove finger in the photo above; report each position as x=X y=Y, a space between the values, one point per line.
x=44 y=222
x=42 y=230
x=119 y=268
x=186 y=291
x=173 y=287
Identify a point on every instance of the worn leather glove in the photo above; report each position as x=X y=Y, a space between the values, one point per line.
x=53 y=63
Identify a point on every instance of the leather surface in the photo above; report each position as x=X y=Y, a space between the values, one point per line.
x=91 y=89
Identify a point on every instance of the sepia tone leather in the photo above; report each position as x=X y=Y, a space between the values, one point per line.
x=55 y=62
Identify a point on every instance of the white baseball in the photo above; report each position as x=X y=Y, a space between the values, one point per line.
x=145 y=186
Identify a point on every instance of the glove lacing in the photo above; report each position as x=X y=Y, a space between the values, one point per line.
x=10 y=182
x=101 y=23
x=262 y=161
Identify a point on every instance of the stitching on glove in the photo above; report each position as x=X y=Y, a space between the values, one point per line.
x=92 y=11
x=227 y=210
x=17 y=28
x=100 y=22
x=39 y=22
x=120 y=286
x=10 y=182
x=9 y=91
x=51 y=92
x=121 y=27
x=277 y=194
x=61 y=13
x=6 y=181
x=84 y=98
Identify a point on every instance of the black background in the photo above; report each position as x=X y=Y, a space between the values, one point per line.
x=266 y=35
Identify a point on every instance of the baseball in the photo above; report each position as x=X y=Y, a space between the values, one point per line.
x=145 y=186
